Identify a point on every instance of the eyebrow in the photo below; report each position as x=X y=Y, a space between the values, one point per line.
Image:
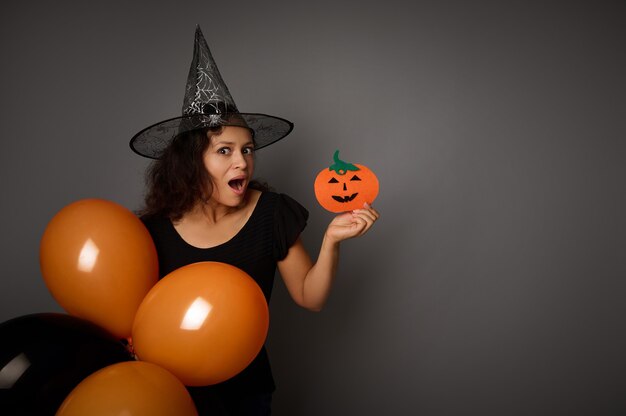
x=220 y=142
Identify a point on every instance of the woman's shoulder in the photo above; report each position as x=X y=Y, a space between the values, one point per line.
x=155 y=223
x=276 y=200
x=262 y=201
x=277 y=205
x=285 y=205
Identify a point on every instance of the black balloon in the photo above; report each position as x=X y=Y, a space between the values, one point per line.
x=44 y=356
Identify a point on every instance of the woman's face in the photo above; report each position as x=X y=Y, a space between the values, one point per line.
x=229 y=161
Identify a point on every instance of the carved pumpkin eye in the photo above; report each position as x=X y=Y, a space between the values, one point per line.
x=355 y=178
x=333 y=180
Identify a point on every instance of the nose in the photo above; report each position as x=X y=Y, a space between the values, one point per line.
x=239 y=160
x=344 y=187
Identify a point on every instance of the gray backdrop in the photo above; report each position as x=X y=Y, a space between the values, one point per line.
x=493 y=283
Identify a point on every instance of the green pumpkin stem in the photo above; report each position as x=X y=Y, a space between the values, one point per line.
x=340 y=166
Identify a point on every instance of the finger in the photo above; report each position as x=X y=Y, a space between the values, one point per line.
x=360 y=223
x=354 y=229
x=376 y=213
x=343 y=215
x=366 y=221
x=370 y=213
x=369 y=208
x=366 y=214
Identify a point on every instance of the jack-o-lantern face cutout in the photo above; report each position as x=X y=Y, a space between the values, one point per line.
x=345 y=186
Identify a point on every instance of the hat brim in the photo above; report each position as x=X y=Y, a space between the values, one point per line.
x=152 y=141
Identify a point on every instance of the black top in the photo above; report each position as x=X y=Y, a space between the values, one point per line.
x=273 y=227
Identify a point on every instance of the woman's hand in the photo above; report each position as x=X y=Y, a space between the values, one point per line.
x=352 y=224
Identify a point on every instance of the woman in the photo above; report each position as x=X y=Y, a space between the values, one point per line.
x=202 y=205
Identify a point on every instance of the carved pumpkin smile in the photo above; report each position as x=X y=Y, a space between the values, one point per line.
x=344 y=199
x=345 y=186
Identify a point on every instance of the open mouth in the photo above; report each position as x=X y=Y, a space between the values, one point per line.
x=236 y=184
x=345 y=198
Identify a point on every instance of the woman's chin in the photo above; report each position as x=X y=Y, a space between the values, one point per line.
x=237 y=198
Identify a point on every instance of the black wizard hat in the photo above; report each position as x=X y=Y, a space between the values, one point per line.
x=207 y=103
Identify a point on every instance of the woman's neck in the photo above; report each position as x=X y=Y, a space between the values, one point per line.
x=207 y=225
x=212 y=211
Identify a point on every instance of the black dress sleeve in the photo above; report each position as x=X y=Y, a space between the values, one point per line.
x=289 y=220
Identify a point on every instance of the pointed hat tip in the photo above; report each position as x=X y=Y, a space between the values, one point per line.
x=199 y=35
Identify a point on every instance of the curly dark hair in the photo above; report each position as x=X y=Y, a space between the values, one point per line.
x=178 y=180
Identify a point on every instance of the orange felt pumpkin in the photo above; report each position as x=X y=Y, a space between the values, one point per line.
x=345 y=186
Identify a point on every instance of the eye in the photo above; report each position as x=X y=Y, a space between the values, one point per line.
x=248 y=150
x=355 y=178
x=223 y=150
x=333 y=180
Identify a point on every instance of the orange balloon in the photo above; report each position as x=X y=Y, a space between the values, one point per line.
x=132 y=389
x=204 y=322
x=98 y=261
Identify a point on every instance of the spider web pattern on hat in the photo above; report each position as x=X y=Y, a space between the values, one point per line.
x=205 y=86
